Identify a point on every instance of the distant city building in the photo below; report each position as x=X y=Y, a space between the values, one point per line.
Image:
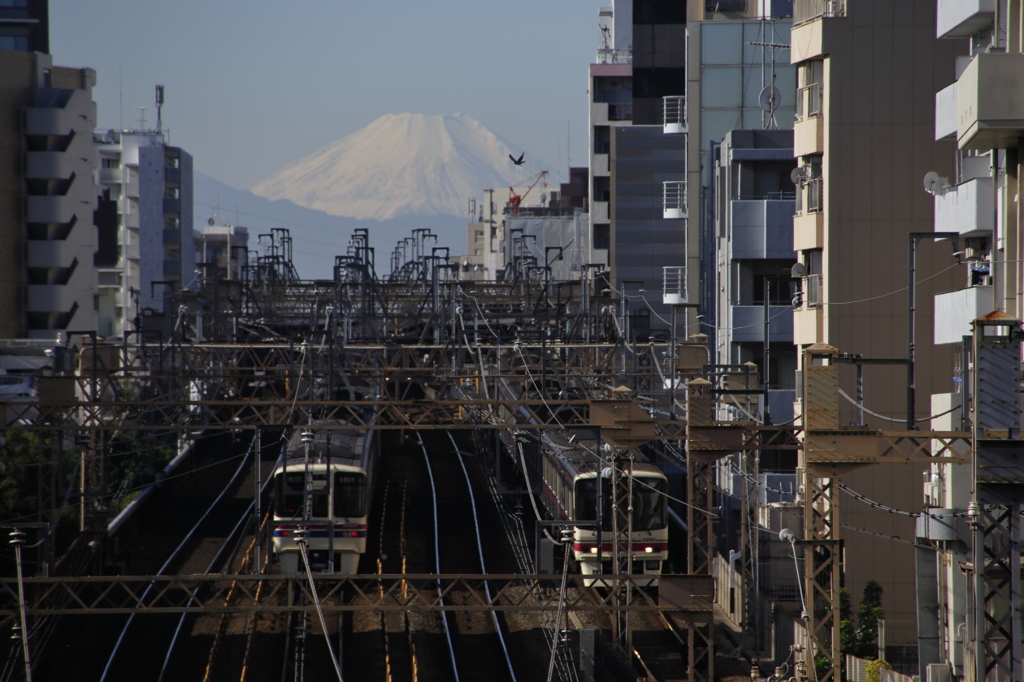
x=47 y=197
x=485 y=237
x=147 y=251
x=222 y=251
x=25 y=25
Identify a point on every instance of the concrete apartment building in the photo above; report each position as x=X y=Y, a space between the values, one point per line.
x=752 y=207
x=868 y=71
x=47 y=195
x=979 y=115
x=147 y=245
x=222 y=251
x=670 y=78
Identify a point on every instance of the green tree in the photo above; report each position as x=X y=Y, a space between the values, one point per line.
x=868 y=615
x=847 y=627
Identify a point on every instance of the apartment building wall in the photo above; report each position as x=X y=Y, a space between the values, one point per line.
x=864 y=135
x=155 y=253
x=25 y=25
x=47 y=197
x=979 y=111
x=753 y=225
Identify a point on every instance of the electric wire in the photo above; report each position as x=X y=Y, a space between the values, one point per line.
x=437 y=559
x=480 y=549
x=171 y=558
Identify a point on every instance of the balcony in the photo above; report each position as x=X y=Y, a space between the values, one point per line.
x=172 y=175
x=172 y=205
x=673 y=285
x=805 y=11
x=747 y=322
x=620 y=111
x=963 y=18
x=808 y=101
x=990 y=102
x=967 y=208
x=673 y=200
x=762 y=229
x=598 y=212
x=49 y=209
x=813 y=295
x=614 y=56
x=674 y=115
x=945 y=113
x=110 y=175
x=955 y=311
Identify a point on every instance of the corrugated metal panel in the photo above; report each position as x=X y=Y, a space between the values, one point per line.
x=997 y=399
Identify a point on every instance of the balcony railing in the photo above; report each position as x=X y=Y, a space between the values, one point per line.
x=808 y=101
x=110 y=175
x=674 y=116
x=812 y=291
x=614 y=56
x=809 y=10
x=620 y=111
x=814 y=195
x=673 y=290
x=673 y=199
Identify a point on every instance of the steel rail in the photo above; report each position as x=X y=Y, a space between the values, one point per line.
x=483 y=565
x=437 y=558
x=216 y=560
x=171 y=558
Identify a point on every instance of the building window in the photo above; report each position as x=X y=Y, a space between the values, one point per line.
x=13 y=3
x=478 y=252
x=478 y=236
x=602 y=236
x=13 y=43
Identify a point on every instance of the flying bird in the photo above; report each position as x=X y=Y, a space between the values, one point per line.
x=519 y=161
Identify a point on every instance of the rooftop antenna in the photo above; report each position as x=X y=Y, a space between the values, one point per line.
x=142 y=117
x=159 y=107
x=120 y=100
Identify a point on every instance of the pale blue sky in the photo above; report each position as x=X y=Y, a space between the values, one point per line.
x=253 y=85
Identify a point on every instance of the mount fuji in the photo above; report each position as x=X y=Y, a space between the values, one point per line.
x=401 y=165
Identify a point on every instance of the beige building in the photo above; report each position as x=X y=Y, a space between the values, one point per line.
x=864 y=137
x=47 y=197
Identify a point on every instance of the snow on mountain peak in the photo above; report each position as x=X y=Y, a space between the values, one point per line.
x=400 y=164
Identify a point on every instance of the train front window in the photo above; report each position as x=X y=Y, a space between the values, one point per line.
x=649 y=510
x=288 y=494
x=349 y=494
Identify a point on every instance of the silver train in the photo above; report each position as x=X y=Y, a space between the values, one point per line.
x=566 y=476
x=338 y=476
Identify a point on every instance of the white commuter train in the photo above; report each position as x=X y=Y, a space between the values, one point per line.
x=566 y=475
x=339 y=476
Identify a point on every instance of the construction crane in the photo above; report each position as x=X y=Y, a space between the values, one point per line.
x=516 y=199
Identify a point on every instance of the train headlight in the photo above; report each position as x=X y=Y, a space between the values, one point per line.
x=649 y=550
x=593 y=550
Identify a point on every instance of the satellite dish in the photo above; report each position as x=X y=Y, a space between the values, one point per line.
x=211 y=222
x=798 y=175
x=798 y=270
x=543 y=198
x=935 y=184
x=769 y=98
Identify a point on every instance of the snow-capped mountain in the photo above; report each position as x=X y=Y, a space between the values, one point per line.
x=405 y=164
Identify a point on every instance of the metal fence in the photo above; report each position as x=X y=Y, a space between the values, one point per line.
x=620 y=111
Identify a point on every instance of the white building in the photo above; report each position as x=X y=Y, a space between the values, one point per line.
x=222 y=251
x=147 y=251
